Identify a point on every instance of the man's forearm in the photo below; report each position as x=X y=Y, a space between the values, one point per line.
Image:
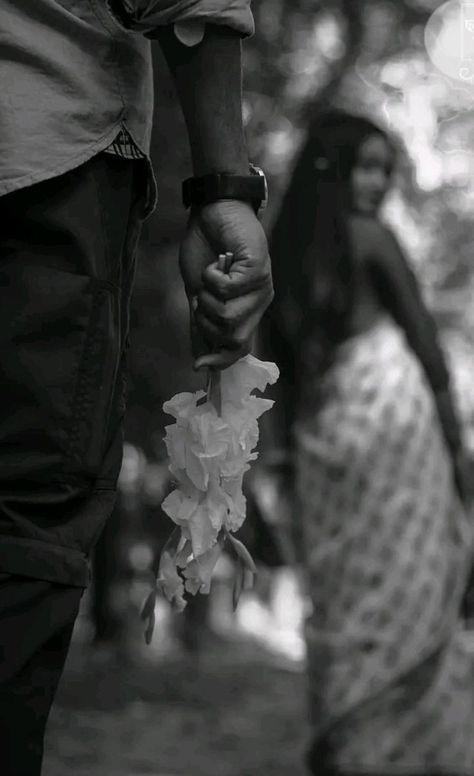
x=208 y=80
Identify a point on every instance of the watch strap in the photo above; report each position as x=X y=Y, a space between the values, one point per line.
x=205 y=189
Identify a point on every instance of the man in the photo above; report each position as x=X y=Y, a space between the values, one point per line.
x=75 y=185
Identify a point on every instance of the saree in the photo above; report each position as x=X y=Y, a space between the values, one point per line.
x=387 y=550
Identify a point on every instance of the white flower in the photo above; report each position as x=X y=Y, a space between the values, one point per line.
x=198 y=572
x=245 y=376
x=170 y=581
x=183 y=404
x=208 y=457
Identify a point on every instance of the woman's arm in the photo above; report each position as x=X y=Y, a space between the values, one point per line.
x=399 y=293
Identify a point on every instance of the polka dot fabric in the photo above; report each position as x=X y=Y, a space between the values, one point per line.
x=388 y=549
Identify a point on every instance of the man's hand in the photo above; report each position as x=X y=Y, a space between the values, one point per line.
x=225 y=309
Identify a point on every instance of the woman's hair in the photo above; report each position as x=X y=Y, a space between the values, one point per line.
x=311 y=255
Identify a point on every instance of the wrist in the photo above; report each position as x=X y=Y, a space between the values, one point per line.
x=221 y=166
x=250 y=189
x=226 y=154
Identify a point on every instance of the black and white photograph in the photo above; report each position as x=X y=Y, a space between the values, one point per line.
x=236 y=388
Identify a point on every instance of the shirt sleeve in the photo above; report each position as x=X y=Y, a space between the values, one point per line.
x=189 y=17
x=189 y=33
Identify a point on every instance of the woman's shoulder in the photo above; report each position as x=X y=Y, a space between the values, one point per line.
x=371 y=239
x=369 y=232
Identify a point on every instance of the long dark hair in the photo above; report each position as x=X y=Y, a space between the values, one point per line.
x=311 y=254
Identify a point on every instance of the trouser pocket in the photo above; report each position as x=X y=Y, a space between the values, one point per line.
x=97 y=405
x=67 y=257
x=61 y=350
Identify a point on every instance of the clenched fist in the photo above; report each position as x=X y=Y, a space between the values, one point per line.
x=225 y=308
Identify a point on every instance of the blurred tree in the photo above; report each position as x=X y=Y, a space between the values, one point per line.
x=367 y=56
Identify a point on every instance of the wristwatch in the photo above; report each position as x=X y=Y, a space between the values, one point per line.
x=205 y=189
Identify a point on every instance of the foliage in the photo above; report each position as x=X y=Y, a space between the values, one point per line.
x=367 y=56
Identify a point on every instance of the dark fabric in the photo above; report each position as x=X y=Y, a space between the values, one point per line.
x=36 y=623
x=67 y=259
x=148 y=17
x=71 y=78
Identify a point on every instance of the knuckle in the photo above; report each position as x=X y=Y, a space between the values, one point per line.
x=223 y=292
x=215 y=279
x=227 y=317
x=206 y=326
x=238 y=341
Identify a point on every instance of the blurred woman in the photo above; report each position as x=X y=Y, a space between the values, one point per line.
x=369 y=421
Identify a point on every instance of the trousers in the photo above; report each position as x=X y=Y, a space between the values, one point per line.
x=67 y=264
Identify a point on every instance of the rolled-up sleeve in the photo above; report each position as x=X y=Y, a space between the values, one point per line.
x=146 y=16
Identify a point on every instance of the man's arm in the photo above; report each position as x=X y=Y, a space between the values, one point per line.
x=225 y=308
x=208 y=74
x=208 y=78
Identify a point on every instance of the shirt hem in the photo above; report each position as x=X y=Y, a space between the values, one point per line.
x=69 y=164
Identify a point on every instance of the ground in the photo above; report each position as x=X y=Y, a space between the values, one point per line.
x=232 y=714
x=237 y=710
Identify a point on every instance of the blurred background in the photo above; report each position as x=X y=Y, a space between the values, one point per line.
x=218 y=692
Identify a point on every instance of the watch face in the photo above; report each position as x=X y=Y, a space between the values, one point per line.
x=258 y=171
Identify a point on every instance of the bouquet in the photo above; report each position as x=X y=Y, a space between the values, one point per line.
x=210 y=447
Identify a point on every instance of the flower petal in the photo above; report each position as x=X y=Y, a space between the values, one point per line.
x=199 y=571
x=169 y=581
x=243 y=553
x=179 y=507
x=246 y=375
x=203 y=533
x=182 y=404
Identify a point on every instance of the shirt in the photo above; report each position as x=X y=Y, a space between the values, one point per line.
x=189 y=34
x=124 y=147
x=74 y=75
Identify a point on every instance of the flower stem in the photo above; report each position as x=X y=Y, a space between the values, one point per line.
x=224 y=263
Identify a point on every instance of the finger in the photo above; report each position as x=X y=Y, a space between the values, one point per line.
x=231 y=338
x=230 y=324
x=224 y=314
x=228 y=316
x=222 y=359
x=243 y=278
x=235 y=283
